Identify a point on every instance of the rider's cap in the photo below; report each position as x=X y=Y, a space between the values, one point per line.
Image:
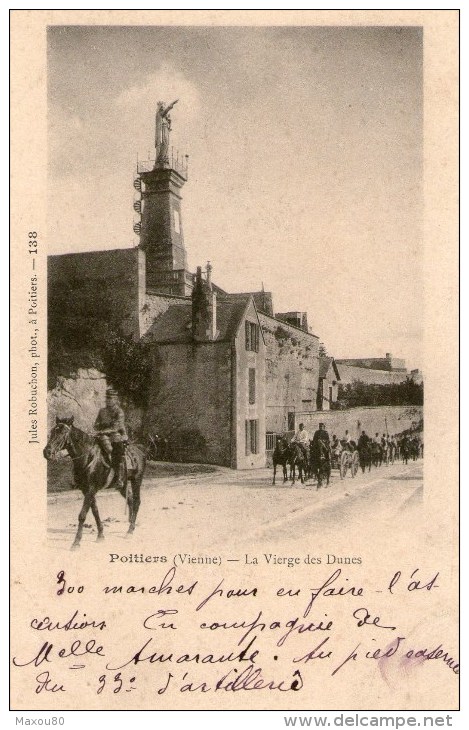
x=110 y=393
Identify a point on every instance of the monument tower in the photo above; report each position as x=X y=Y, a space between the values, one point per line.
x=161 y=232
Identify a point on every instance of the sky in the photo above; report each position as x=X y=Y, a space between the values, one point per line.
x=305 y=163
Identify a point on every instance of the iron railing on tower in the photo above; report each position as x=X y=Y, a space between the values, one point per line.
x=177 y=162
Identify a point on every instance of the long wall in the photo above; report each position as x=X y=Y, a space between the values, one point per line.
x=393 y=419
x=292 y=371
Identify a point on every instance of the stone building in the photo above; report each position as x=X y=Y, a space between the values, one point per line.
x=225 y=369
x=208 y=393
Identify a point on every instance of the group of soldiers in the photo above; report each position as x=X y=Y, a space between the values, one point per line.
x=321 y=437
x=393 y=446
x=390 y=444
x=112 y=436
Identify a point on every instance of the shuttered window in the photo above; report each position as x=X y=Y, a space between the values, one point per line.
x=252 y=386
x=252 y=436
x=252 y=336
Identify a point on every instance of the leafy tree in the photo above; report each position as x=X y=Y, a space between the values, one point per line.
x=95 y=343
x=358 y=393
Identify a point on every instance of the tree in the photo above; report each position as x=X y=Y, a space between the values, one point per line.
x=94 y=343
x=407 y=393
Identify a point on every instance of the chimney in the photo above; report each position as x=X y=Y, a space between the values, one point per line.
x=209 y=274
x=214 y=332
x=204 y=309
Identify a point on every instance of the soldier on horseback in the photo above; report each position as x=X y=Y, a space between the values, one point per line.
x=321 y=441
x=321 y=454
x=321 y=435
x=301 y=438
x=112 y=434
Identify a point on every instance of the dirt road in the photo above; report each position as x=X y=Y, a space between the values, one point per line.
x=226 y=509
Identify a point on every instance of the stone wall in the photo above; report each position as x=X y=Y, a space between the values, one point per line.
x=292 y=371
x=155 y=305
x=190 y=401
x=82 y=395
x=372 y=420
x=349 y=373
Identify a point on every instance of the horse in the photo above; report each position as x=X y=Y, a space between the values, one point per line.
x=299 y=459
x=91 y=471
x=281 y=457
x=322 y=464
x=365 y=455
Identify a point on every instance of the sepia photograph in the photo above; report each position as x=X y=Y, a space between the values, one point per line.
x=301 y=165
x=230 y=363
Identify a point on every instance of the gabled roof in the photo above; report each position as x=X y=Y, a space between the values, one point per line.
x=324 y=365
x=175 y=324
x=247 y=303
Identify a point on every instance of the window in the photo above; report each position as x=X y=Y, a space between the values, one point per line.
x=291 y=421
x=252 y=336
x=252 y=386
x=177 y=221
x=252 y=436
x=270 y=439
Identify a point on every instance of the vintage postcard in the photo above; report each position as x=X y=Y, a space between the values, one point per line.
x=234 y=361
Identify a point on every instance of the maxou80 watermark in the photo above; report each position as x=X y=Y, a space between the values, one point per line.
x=40 y=721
